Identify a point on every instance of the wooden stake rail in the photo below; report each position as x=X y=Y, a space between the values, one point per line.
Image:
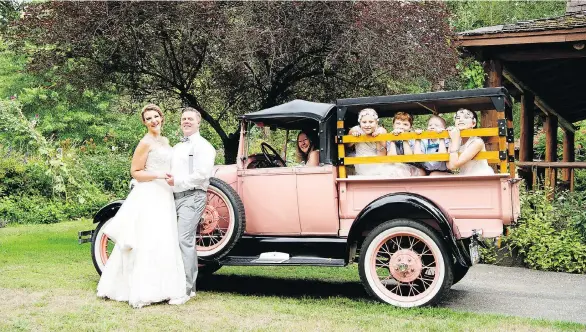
x=551 y=164
x=491 y=156
x=501 y=157
x=480 y=132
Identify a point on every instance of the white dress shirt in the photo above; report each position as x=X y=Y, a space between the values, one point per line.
x=203 y=162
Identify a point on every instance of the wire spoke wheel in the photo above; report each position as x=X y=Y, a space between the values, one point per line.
x=217 y=222
x=106 y=247
x=403 y=263
x=102 y=247
x=222 y=222
x=405 y=266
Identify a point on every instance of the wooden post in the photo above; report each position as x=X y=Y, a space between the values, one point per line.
x=569 y=155
x=527 y=134
x=341 y=152
x=550 y=127
x=488 y=119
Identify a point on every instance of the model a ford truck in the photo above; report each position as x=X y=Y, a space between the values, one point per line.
x=413 y=238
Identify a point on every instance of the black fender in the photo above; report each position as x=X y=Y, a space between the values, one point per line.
x=406 y=205
x=108 y=211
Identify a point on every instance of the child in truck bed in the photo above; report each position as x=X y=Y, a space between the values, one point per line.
x=431 y=146
x=368 y=125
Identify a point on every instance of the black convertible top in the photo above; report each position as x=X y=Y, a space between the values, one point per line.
x=293 y=115
x=431 y=102
x=300 y=113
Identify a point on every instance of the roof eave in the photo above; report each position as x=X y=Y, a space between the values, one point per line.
x=516 y=38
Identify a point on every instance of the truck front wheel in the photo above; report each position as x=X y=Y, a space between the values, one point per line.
x=405 y=263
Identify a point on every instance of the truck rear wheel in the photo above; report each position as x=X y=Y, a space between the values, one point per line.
x=222 y=223
x=405 y=263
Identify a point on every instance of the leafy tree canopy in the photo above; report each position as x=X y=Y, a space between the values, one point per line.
x=225 y=58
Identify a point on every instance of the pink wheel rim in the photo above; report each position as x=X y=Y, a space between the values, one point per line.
x=405 y=267
x=217 y=219
x=104 y=252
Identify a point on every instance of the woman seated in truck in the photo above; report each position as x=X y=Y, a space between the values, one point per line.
x=307 y=148
x=463 y=150
x=368 y=125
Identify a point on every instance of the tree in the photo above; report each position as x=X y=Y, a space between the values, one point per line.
x=9 y=11
x=227 y=58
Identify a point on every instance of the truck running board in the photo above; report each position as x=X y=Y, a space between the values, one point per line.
x=295 y=260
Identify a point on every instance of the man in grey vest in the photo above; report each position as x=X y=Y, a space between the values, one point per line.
x=191 y=169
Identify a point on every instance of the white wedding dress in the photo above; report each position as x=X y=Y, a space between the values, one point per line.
x=145 y=266
x=475 y=167
x=390 y=170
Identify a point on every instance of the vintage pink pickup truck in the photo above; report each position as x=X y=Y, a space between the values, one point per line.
x=413 y=238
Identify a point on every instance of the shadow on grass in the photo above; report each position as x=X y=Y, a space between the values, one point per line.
x=266 y=286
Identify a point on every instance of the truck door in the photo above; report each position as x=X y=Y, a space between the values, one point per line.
x=318 y=200
x=270 y=200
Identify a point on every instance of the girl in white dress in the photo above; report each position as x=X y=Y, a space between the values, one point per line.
x=368 y=125
x=145 y=266
x=462 y=150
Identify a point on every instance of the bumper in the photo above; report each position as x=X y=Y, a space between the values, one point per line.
x=85 y=236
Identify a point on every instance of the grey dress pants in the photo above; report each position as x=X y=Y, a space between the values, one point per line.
x=189 y=211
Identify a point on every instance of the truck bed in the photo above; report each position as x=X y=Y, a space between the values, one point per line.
x=484 y=202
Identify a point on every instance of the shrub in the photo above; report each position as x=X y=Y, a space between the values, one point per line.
x=21 y=175
x=550 y=234
x=569 y=207
x=15 y=130
x=110 y=172
x=45 y=189
x=31 y=210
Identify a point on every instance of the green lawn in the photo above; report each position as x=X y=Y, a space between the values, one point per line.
x=47 y=282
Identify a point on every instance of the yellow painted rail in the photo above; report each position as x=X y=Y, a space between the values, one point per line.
x=480 y=132
x=491 y=156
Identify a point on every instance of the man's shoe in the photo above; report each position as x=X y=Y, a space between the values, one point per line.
x=179 y=300
x=192 y=294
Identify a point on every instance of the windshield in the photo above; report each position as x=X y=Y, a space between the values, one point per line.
x=282 y=141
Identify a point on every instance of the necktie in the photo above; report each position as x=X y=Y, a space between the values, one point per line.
x=184 y=139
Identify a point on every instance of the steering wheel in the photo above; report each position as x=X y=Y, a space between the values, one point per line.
x=273 y=157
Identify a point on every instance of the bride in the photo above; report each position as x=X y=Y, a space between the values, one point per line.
x=146 y=266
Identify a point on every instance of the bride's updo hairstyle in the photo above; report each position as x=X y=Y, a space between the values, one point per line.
x=152 y=107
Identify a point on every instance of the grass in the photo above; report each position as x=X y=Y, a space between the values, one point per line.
x=47 y=282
